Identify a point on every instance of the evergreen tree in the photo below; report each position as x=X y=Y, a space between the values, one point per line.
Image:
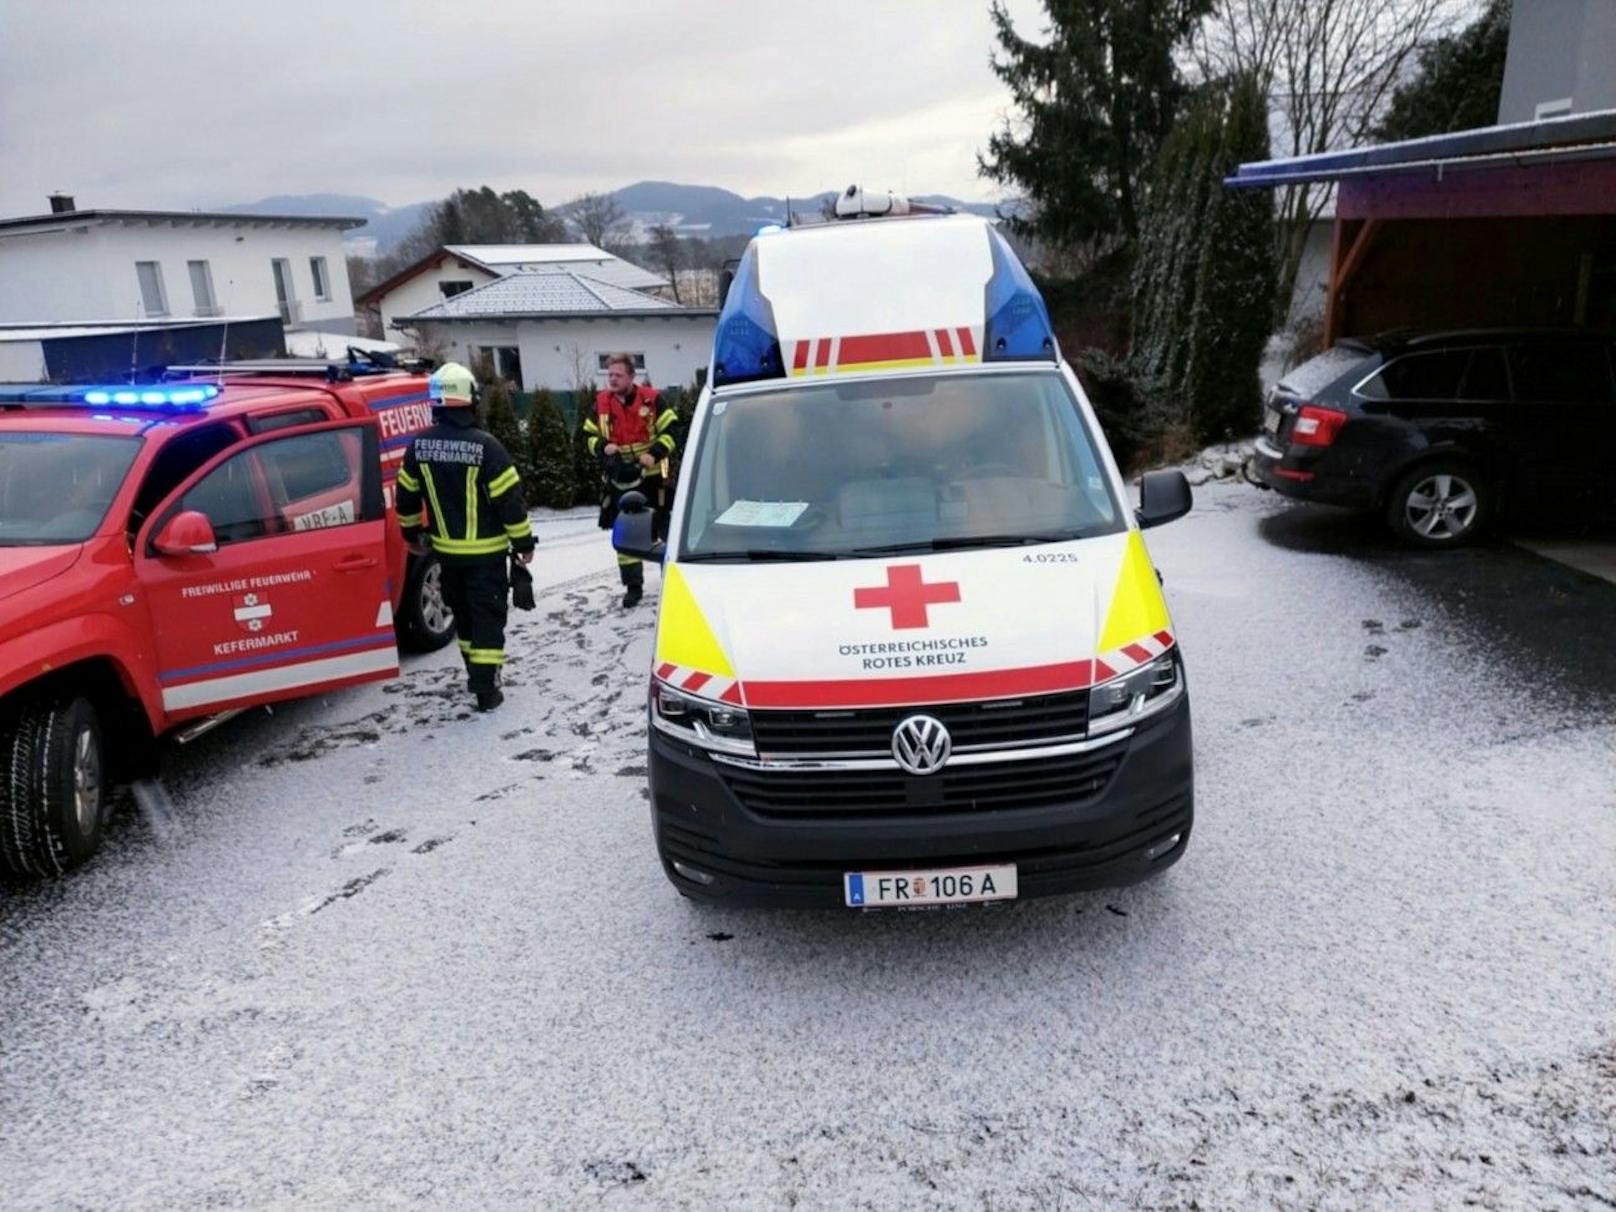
x=554 y=483
x=586 y=467
x=1204 y=301
x=499 y=419
x=1094 y=102
x=1458 y=81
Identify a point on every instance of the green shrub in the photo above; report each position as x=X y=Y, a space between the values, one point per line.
x=554 y=482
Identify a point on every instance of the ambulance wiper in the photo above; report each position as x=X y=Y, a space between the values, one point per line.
x=758 y=554
x=955 y=542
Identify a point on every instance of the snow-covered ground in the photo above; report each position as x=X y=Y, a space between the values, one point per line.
x=388 y=951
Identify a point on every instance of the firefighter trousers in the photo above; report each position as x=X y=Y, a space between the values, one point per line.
x=477 y=589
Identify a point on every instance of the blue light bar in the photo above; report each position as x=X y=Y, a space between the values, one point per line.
x=170 y=397
x=1018 y=327
x=746 y=345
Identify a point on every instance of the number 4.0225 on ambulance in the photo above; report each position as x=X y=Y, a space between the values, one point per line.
x=911 y=649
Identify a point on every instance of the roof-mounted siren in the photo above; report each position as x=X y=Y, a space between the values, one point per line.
x=746 y=344
x=1018 y=327
x=856 y=202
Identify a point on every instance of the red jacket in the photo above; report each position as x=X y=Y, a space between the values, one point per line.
x=642 y=424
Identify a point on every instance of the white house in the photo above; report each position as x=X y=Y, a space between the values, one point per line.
x=456 y=268
x=554 y=328
x=75 y=266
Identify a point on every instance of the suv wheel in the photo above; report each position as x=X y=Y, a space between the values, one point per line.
x=53 y=791
x=1440 y=504
x=425 y=621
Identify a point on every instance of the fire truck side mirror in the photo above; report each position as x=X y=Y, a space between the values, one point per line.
x=186 y=533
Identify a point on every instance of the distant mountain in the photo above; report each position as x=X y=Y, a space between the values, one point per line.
x=702 y=211
x=385 y=225
x=707 y=211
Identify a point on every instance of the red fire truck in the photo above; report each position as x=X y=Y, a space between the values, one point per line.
x=173 y=553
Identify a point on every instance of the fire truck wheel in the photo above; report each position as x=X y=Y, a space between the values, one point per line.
x=425 y=622
x=53 y=788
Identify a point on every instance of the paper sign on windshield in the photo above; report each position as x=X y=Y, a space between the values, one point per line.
x=775 y=514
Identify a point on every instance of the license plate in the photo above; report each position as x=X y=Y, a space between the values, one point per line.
x=912 y=889
x=1270 y=420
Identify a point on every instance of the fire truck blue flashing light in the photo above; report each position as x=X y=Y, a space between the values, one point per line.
x=183 y=395
x=1018 y=327
x=747 y=344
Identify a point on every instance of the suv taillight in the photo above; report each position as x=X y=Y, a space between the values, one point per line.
x=1316 y=426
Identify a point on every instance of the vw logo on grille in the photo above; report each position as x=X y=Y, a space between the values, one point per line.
x=921 y=744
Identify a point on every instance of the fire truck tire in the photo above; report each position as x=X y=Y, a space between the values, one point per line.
x=53 y=786
x=425 y=622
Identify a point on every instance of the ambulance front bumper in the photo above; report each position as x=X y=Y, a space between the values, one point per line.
x=1105 y=816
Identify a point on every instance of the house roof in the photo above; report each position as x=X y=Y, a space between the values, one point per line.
x=157 y=217
x=557 y=293
x=524 y=258
x=1574 y=137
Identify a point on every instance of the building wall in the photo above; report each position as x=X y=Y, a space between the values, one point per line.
x=22 y=362
x=555 y=352
x=423 y=291
x=1559 y=50
x=86 y=270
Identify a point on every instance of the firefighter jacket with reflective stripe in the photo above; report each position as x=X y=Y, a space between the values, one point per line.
x=459 y=485
x=640 y=425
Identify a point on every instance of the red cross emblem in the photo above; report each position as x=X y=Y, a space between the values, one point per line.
x=907 y=595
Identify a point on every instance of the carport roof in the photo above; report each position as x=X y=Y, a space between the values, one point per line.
x=1552 y=140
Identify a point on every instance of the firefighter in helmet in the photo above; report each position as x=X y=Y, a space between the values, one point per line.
x=458 y=488
x=631 y=435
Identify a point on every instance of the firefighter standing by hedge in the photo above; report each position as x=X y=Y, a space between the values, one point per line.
x=631 y=434
x=460 y=479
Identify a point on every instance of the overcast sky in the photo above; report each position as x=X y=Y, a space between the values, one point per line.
x=198 y=103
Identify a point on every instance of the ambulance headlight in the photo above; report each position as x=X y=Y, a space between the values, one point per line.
x=701 y=722
x=1135 y=696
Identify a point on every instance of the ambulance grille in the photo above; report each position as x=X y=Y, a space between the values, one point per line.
x=991 y=787
x=1034 y=720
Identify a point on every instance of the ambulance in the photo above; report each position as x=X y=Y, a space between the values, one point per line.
x=911 y=649
x=176 y=551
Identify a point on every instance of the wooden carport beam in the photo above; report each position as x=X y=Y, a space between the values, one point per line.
x=1342 y=270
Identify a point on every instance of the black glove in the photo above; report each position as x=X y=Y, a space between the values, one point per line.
x=521 y=586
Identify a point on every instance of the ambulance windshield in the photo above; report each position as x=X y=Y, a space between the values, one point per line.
x=55 y=487
x=831 y=470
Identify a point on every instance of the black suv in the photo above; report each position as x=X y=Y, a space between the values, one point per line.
x=1445 y=432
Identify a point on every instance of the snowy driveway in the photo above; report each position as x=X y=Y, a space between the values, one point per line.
x=383 y=954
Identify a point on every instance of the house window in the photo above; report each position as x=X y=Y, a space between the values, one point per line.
x=322 y=281
x=506 y=361
x=639 y=362
x=202 y=288
x=451 y=289
x=285 y=295
x=153 y=301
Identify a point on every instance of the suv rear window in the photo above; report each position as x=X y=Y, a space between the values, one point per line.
x=1421 y=376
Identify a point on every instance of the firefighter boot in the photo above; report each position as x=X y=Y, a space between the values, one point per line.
x=633 y=583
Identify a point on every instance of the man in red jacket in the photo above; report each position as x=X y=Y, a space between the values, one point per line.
x=631 y=434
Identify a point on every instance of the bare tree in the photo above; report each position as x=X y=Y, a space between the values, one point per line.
x=667 y=254
x=1329 y=67
x=597 y=219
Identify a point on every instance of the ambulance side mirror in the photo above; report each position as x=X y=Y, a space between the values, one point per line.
x=1163 y=497
x=186 y=533
x=633 y=531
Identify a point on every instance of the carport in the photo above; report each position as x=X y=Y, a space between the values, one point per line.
x=1506 y=226
x=1502 y=226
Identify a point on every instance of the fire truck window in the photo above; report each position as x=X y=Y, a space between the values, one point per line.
x=180 y=456
x=313 y=464
x=285 y=420
x=231 y=501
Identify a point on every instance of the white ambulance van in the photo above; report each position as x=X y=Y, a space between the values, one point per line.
x=911 y=649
